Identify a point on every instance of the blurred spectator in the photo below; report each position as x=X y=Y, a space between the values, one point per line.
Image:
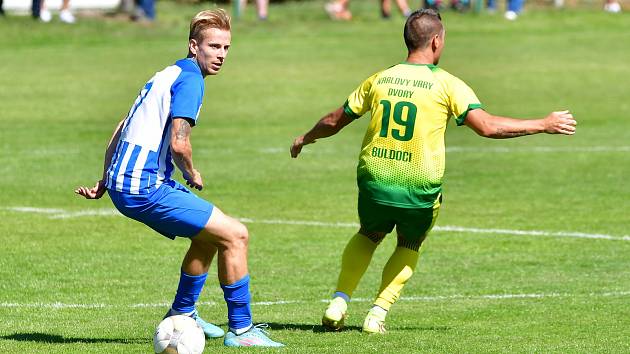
x=261 y=8
x=514 y=8
x=460 y=5
x=138 y=10
x=35 y=7
x=457 y=5
x=339 y=9
x=145 y=11
x=612 y=6
x=1 y=10
x=386 y=8
x=126 y=7
x=40 y=11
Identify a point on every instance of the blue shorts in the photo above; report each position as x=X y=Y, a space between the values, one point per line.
x=172 y=210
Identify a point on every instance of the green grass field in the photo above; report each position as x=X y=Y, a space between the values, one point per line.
x=515 y=263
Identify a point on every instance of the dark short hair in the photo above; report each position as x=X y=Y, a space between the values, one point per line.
x=421 y=26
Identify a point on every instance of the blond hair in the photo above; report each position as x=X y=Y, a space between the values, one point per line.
x=216 y=18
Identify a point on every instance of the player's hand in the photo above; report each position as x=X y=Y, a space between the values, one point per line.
x=194 y=180
x=95 y=192
x=297 y=146
x=561 y=122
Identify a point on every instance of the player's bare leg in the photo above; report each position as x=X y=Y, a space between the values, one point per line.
x=230 y=238
x=192 y=279
x=198 y=258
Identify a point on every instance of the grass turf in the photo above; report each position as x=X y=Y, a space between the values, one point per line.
x=98 y=284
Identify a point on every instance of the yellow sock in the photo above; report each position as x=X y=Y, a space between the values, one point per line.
x=355 y=260
x=397 y=271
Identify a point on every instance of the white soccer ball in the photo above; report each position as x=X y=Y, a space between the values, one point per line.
x=179 y=335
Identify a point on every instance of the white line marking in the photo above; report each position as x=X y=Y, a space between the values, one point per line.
x=299 y=222
x=274 y=150
x=539 y=149
x=453 y=229
x=36 y=210
x=280 y=302
x=95 y=212
x=479 y=149
x=59 y=305
x=531 y=233
x=500 y=296
x=162 y=304
x=53 y=305
x=63 y=214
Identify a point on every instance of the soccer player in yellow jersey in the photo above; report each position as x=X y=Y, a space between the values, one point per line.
x=401 y=163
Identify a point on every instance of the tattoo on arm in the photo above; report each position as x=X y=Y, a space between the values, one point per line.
x=180 y=146
x=184 y=130
x=503 y=133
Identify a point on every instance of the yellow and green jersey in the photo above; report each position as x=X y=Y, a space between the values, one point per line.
x=403 y=156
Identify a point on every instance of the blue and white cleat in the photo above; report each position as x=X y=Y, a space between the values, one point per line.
x=210 y=330
x=254 y=337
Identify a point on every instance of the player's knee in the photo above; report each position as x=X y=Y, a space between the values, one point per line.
x=242 y=234
x=239 y=237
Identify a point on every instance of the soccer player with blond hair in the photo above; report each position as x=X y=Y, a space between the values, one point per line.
x=402 y=159
x=138 y=170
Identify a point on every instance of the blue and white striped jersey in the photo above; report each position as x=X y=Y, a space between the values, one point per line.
x=142 y=161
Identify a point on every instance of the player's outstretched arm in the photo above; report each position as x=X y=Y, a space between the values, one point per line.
x=329 y=125
x=181 y=150
x=490 y=126
x=98 y=190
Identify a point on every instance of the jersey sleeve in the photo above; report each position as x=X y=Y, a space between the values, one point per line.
x=186 y=97
x=358 y=103
x=461 y=100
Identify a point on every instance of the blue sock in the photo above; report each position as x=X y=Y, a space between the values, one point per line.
x=188 y=292
x=342 y=295
x=238 y=300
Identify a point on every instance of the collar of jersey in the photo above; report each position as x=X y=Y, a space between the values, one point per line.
x=195 y=63
x=430 y=66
